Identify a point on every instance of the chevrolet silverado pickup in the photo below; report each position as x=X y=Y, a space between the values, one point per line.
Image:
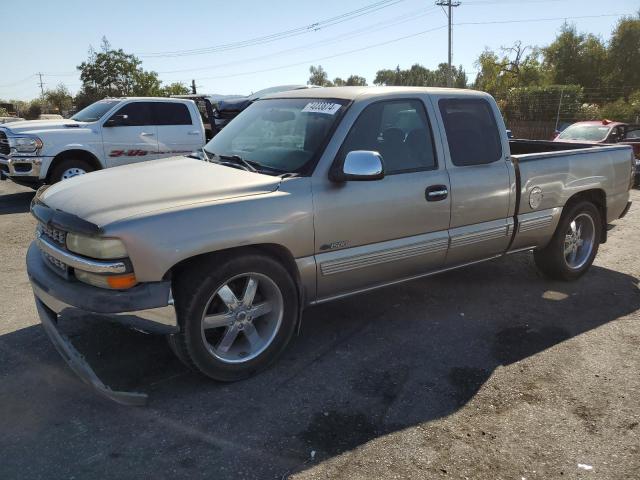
x=306 y=197
x=108 y=133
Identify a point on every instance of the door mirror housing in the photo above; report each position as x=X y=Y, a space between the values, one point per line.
x=359 y=165
x=116 y=121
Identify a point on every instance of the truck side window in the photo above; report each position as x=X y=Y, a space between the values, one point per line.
x=472 y=131
x=632 y=134
x=138 y=114
x=170 y=113
x=399 y=130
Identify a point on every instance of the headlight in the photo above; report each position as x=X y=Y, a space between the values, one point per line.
x=25 y=144
x=96 y=247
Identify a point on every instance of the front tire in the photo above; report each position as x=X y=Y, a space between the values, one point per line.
x=574 y=244
x=69 y=168
x=237 y=314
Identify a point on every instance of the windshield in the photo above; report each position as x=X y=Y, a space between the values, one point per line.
x=589 y=133
x=283 y=135
x=95 y=111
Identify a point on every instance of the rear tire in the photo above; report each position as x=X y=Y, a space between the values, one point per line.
x=236 y=313
x=574 y=244
x=68 y=168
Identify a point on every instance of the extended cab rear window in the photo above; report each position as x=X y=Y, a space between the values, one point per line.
x=169 y=113
x=472 y=131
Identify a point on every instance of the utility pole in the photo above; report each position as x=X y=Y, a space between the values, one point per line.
x=449 y=4
x=41 y=89
x=193 y=87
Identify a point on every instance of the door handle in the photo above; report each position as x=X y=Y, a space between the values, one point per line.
x=194 y=132
x=147 y=134
x=436 y=193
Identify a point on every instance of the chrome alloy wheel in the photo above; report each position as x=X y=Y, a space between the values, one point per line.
x=72 y=172
x=236 y=329
x=579 y=241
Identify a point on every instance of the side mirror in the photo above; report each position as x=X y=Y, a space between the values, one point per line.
x=360 y=165
x=116 y=121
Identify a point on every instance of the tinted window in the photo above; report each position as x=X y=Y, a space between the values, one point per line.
x=138 y=113
x=171 y=114
x=633 y=134
x=472 y=132
x=399 y=131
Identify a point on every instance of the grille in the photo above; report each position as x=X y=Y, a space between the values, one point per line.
x=58 y=236
x=55 y=262
x=4 y=143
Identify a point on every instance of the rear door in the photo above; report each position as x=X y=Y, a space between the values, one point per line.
x=481 y=222
x=128 y=135
x=178 y=133
x=374 y=232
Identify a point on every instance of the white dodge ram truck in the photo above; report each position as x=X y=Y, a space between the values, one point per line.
x=108 y=133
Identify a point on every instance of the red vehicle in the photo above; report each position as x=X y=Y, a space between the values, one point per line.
x=604 y=131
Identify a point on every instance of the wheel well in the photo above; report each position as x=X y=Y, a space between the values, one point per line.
x=599 y=199
x=275 y=251
x=79 y=154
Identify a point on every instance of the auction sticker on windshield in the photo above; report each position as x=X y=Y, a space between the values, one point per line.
x=322 y=107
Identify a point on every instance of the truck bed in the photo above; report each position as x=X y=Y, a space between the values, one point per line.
x=558 y=170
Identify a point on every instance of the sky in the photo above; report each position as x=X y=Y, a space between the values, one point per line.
x=214 y=42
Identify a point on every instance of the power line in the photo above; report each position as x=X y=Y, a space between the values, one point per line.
x=410 y=16
x=548 y=19
x=348 y=16
x=305 y=62
x=18 y=81
x=388 y=42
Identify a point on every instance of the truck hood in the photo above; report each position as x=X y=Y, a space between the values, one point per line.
x=35 y=126
x=137 y=189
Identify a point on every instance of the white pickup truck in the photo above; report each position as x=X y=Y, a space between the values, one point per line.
x=108 y=133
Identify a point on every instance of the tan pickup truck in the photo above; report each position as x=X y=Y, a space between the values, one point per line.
x=309 y=196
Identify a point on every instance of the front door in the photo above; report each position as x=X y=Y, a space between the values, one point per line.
x=370 y=233
x=177 y=135
x=481 y=224
x=129 y=135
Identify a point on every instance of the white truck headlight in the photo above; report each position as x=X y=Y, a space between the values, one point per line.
x=26 y=144
x=96 y=247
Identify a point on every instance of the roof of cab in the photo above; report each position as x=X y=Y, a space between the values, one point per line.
x=354 y=93
x=152 y=99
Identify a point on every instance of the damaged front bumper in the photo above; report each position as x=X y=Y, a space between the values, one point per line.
x=147 y=307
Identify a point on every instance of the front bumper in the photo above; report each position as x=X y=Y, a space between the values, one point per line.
x=25 y=168
x=147 y=307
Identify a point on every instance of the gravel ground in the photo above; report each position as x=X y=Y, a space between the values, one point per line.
x=490 y=372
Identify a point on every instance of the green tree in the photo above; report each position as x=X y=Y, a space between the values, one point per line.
x=58 y=99
x=577 y=58
x=420 y=76
x=352 y=81
x=515 y=68
x=356 y=81
x=4 y=112
x=33 y=111
x=114 y=73
x=176 y=88
x=624 y=55
x=318 y=76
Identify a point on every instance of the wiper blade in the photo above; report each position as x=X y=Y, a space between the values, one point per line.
x=238 y=160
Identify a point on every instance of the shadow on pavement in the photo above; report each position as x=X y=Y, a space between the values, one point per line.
x=15 y=202
x=361 y=368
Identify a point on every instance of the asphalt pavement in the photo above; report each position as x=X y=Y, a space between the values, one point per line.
x=490 y=372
